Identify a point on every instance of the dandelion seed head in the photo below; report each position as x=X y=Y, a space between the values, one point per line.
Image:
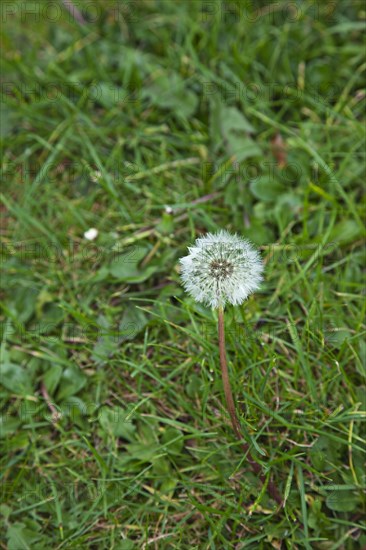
x=221 y=268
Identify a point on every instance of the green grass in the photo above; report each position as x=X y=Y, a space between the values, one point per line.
x=154 y=122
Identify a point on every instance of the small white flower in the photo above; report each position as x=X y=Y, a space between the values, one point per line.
x=221 y=268
x=91 y=234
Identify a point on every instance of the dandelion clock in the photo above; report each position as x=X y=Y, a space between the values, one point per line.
x=223 y=269
x=220 y=269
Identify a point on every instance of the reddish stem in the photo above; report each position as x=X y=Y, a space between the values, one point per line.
x=232 y=412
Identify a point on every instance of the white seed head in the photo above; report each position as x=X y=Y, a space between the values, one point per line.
x=221 y=268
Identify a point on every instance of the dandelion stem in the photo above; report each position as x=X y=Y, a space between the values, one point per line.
x=231 y=407
x=225 y=377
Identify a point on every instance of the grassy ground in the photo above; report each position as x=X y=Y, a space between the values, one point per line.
x=154 y=122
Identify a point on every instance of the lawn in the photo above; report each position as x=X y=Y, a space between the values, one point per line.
x=154 y=122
